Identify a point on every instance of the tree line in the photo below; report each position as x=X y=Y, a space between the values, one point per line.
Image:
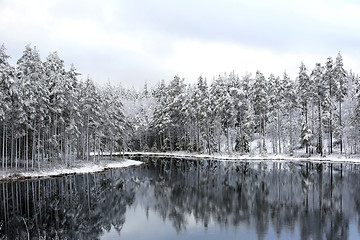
x=318 y=112
x=48 y=115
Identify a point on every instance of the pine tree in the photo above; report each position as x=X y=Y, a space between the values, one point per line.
x=112 y=120
x=175 y=99
x=89 y=107
x=220 y=101
x=243 y=124
x=341 y=79
x=203 y=116
x=227 y=114
x=289 y=99
x=161 y=119
x=6 y=81
x=31 y=73
x=328 y=103
x=70 y=114
x=259 y=102
x=305 y=94
x=353 y=134
x=55 y=75
x=275 y=93
x=317 y=76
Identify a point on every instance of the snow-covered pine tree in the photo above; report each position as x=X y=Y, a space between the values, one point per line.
x=228 y=114
x=353 y=129
x=161 y=118
x=89 y=107
x=243 y=123
x=290 y=103
x=304 y=96
x=275 y=94
x=71 y=115
x=328 y=103
x=259 y=100
x=112 y=118
x=175 y=99
x=6 y=82
x=30 y=72
x=341 y=89
x=191 y=125
x=200 y=116
x=317 y=76
x=219 y=101
x=55 y=74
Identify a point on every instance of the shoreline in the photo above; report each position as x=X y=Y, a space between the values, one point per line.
x=82 y=167
x=59 y=171
x=355 y=159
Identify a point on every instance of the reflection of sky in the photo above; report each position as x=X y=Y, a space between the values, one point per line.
x=137 y=227
x=165 y=198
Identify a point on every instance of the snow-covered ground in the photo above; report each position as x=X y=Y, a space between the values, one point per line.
x=90 y=167
x=78 y=168
x=335 y=158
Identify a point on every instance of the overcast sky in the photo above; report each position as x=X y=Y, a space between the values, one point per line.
x=133 y=41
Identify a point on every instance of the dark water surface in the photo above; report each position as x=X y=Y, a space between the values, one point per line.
x=188 y=199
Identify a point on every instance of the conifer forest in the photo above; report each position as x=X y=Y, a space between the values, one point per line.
x=55 y=115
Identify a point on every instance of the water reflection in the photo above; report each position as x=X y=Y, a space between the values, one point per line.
x=311 y=201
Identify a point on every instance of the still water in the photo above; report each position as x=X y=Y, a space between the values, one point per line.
x=188 y=199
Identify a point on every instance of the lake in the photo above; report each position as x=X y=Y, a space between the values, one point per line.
x=171 y=198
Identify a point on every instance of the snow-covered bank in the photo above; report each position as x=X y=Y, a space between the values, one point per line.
x=315 y=158
x=78 y=168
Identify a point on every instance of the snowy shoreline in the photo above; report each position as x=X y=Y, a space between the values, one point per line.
x=92 y=167
x=58 y=171
x=355 y=159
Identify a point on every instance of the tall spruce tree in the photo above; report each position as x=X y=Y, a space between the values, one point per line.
x=290 y=102
x=319 y=92
x=328 y=104
x=259 y=102
x=341 y=79
x=305 y=95
x=7 y=75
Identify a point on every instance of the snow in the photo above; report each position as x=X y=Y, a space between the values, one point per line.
x=79 y=168
x=92 y=167
x=335 y=158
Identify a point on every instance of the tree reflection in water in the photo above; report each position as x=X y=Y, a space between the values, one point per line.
x=318 y=199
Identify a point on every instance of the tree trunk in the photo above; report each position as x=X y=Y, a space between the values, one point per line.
x=197 y=135
x=219 y=138
x=12 y=146
x=306 y=125
x=290 y=134
x=38 y=148
x=320 y=140
x=228 y=139
x=340 y=122
x=3 y=145
x=27 y=148
x=331 y=138
x=278 y=129
x=87 y=140
x=313 y=122
x=111 y=149
x=263 y=133
x=33 y=152
x=170 y=144
x=208 y=137
x=161 y=142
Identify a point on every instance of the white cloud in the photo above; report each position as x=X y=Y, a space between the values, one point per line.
x=193 y=58
x=134 y=41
